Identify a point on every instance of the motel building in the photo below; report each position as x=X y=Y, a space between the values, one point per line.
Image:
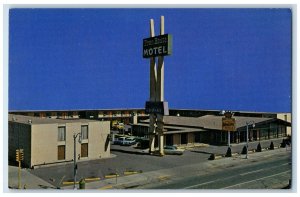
x=127 y=116
x=33 y=129
x=183 y=131
x=50 y=141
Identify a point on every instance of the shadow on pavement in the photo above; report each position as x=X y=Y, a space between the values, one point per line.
x=129 y=152
x=197 y=151
x=46 y=187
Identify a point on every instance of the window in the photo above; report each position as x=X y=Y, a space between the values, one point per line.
x=84 y=150
x=61 y=152
x=84 y=132
x=61 y=133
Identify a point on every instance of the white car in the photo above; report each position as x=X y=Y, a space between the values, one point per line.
x=125 y=141
x=173 y=150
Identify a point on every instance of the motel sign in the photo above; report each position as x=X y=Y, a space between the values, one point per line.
x=157 y=46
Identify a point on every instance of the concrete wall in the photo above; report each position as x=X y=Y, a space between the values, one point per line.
x=19 y=137
x=44 y=142
x=99 y=144
x=286 y=117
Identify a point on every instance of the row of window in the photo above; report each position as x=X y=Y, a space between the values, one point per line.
x=61 y=151
x=62 y=133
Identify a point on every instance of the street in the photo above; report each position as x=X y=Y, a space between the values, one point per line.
x=192 y=170
x=250 y=176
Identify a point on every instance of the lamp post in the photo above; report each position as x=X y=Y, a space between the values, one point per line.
x=253 y=125
x=75 y=165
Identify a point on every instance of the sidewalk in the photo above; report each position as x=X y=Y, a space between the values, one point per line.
x=237 y=148
x=136 y=180
x=32 y=181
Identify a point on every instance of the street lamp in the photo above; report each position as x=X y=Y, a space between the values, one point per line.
x=253 y=125
x=75 y=165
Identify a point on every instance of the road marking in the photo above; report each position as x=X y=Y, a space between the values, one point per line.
x=256 y=179
x=198 y=185
x=243 y=174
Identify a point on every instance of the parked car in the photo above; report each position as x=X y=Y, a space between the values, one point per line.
x=173 y=150
x=118 y=140
x=128 y=141
x=124 y=141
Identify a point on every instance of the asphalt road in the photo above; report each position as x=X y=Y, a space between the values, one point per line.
x=248 y=176
x=126 y=160
x=121 y=162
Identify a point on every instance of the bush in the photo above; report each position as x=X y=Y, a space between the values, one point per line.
x=258 y=149
x=283 y=144
x=212 y=157
x=244 y=151
x=271 y=146
x=228 y=153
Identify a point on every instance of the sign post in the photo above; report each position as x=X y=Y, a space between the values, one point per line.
x=228 y=124
x=19 y=158
x=157 y=46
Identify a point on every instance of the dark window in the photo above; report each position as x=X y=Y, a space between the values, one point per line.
x=84 y=150
x=61 y=152
x=169 y=140
x=197 y=137
x=183 y=138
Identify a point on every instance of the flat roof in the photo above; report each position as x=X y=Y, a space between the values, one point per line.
x=208 y=121
x=71 y=110
x=175 y=129
x=38 y=120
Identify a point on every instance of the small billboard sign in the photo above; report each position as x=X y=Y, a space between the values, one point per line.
x=157 y=46
x=157 y=108
x=228 y=124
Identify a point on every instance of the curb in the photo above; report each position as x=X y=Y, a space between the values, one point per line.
x=69 y=182
x=111 y=176
x=126 y=173
x=92 y=179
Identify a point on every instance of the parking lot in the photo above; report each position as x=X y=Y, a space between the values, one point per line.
x=128 y=158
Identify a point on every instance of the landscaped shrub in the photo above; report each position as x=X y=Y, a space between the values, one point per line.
x=228 y=153
x=244 y=151
x=212 y=157
x=258 y=149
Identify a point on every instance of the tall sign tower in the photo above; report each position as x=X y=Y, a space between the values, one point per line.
x=157 y=107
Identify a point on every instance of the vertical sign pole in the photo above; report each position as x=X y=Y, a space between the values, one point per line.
x=152 y=93
x=74 y=185
x=160 y=92
x=19 y=170
x=228 y=139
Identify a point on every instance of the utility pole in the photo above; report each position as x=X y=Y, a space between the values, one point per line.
x=247 y=140
x=75 y=164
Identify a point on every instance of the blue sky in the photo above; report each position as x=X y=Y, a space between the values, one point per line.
x=223 y=59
